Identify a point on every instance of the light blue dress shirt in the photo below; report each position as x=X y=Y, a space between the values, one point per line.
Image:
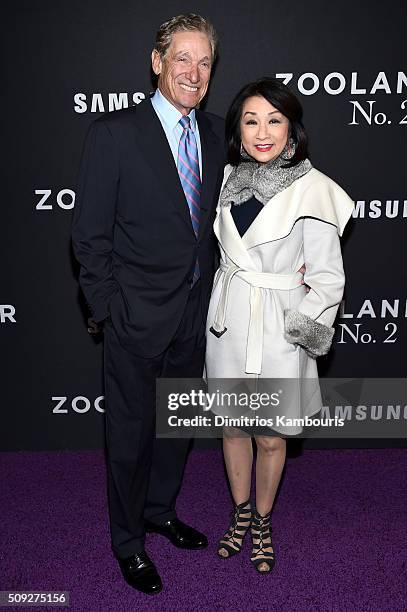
x=169 y=117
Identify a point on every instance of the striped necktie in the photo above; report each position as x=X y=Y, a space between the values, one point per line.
x=188 y=170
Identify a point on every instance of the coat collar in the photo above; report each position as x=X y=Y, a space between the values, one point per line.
x=230 y=240
x=227 y=234
x=312 y=195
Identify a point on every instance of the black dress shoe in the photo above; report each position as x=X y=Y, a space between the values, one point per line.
x=179 y=534
x=140 y=573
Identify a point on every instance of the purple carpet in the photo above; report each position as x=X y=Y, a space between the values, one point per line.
x=339 y=530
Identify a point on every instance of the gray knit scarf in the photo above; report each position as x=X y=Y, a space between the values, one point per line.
x=263 y=181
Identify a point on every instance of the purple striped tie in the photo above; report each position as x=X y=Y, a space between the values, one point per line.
x=188 y=170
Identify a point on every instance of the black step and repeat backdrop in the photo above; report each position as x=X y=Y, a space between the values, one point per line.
x=65 y=63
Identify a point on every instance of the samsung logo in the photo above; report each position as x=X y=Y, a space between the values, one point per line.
x=106 y=102
x=375 y=209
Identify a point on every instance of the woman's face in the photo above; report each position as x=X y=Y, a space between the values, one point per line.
x=264 y=130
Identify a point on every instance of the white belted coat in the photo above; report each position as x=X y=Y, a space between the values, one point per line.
x=274 y=329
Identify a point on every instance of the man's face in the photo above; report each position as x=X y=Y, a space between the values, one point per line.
x=185 y=70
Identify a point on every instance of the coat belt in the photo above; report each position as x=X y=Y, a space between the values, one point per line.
x=257 y=282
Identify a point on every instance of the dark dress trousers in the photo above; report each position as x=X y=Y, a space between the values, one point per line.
x=133 y=237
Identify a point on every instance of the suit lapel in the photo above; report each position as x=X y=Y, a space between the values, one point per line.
x=157 y=152
x=210 y=145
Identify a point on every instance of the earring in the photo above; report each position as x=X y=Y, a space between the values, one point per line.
x=290 y=148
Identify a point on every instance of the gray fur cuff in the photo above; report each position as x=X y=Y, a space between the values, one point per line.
x=314 y=337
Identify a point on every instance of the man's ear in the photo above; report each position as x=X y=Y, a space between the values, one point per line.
x=156 y=62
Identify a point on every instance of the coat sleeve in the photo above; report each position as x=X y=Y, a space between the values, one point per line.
x=94 y=218
x=310 y=325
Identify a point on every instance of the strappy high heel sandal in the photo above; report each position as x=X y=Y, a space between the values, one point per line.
x=232 y=541
x=262 y=554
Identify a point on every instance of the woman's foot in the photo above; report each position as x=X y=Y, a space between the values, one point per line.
x=232 y=541
x=262 y=554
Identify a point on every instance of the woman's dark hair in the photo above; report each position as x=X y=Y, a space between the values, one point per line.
x=283 y=99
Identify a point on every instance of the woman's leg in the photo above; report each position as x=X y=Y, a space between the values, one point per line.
x=238 y=454
x=269 y=466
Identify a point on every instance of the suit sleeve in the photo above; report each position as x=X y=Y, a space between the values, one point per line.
x=94 y=218
x=310 y=325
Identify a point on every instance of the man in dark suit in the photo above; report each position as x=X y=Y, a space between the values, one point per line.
x=147 y=191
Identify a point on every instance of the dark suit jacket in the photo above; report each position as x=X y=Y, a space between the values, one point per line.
x=132 y=231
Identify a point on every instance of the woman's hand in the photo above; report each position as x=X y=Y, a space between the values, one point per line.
x=302 y=270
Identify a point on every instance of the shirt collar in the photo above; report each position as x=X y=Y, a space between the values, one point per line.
x=168 y=112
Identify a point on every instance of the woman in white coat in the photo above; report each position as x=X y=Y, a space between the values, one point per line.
x=276 y=212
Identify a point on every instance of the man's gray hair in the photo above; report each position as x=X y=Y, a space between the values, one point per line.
x=185 y=23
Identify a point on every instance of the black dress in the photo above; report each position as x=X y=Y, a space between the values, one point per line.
x=245 y=213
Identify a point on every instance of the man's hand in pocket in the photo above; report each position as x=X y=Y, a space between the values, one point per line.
x=94 y=328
